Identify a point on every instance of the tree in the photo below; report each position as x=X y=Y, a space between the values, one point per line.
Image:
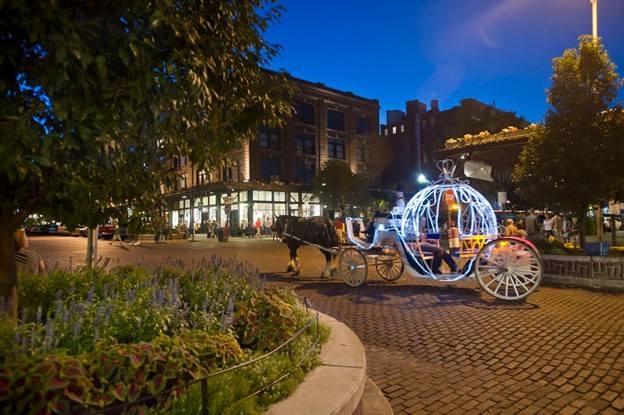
x=338 y=187
x=574 y=159
x=97 y=96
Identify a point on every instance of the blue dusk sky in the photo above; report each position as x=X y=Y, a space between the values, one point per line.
x=497 y=51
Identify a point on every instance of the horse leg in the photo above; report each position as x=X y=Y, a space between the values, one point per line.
x=293 y=265
x=330 y=269
x=291 y=262
x=297 y=268
x=334 y=266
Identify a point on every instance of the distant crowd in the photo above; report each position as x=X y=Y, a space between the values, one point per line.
x=557 y=225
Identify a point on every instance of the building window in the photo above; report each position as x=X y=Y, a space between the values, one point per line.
x=304 y=113
x=305 y=143
x=182 y=181
x=402 y=128
x=335 y=120
x=394 y=130
x=201 y=177
x=362 y=154
x=304 y=170
x=336 y=148
x=269 y=138
x=269 y=168
x=362 y=126
x=385 y=131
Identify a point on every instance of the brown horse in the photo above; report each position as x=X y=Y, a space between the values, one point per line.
x=317 y=230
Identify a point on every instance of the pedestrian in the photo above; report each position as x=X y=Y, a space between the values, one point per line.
x=339 y=225
x=510 y=228
x=26 y=260
x=557 y=225
x=531 y=224
x=565 y=229
x=575 y=231
x=267 y=226
x=116 y=236
x=258 y=228
x=547 y=225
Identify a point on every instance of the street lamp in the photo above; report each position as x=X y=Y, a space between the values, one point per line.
x=594 y=4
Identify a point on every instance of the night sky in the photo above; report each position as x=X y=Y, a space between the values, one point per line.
x=497 y=51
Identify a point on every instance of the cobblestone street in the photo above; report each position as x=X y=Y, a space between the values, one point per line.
x=434 y=347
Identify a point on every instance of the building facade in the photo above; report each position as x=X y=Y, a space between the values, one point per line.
x=416 y=135
x=272 y=174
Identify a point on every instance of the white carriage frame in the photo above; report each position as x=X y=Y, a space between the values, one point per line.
x=508 y=268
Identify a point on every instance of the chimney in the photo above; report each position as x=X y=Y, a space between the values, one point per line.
x=434 y=105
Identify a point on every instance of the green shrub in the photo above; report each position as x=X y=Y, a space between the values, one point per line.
x=92 y=339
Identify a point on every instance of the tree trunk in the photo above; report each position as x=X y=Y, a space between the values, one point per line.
x=582 y=219
x=599 y=221
x=8 y=269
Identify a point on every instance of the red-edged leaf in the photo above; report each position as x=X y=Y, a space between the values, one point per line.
x=120 y=392
x=75 y=393
x=134 y=391
x=136 y=360
x=156 y=385
x=57 y=383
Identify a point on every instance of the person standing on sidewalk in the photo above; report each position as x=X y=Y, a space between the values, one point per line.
x=531 y=224
x=116 y=236
x=26 y=260
x=258 y=228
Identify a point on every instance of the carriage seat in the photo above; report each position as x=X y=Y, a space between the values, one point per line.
x=415 y=248
x=353 y=236
x=420 y=257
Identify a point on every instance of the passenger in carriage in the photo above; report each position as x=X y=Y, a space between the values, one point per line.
x=439 y=253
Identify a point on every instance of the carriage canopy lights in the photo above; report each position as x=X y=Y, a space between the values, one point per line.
x=470 y=212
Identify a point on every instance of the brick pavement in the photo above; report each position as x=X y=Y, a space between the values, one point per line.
x=442 y=348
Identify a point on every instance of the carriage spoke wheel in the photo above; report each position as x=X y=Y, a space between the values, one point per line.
x=389 y=263
x=352 y=267
x=508 y=269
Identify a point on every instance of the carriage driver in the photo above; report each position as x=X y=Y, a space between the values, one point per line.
x=438 y=252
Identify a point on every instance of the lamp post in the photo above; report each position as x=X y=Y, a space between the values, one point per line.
x=594 y=4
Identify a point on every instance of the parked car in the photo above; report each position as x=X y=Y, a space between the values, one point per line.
x=106 y=231
x=47 y=229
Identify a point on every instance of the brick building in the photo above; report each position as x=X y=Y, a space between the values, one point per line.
x=414 y=136
x=272 y=174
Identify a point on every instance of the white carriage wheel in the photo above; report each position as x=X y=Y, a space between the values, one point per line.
x=389 y=263
x=509 y=269
x=352 y=267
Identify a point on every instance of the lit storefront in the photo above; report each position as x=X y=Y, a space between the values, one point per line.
x=199 y=207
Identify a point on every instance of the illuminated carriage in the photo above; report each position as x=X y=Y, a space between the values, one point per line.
x=508 y=268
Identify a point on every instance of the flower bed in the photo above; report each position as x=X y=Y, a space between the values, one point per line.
x=95 y=339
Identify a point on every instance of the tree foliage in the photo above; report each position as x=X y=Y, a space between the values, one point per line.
x=339 y=188
x=574 y=159
x=97 y=96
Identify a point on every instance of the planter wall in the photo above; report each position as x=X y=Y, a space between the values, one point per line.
x=587 y=271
